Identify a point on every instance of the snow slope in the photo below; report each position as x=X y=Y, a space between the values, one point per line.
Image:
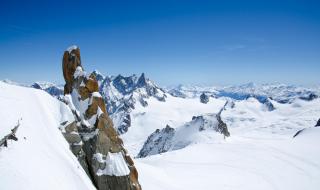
x=238 y=163
x=173 y=112
x=259 y=154
x=41 y=158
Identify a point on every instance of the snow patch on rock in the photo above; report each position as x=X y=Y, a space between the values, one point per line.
x=115 y=164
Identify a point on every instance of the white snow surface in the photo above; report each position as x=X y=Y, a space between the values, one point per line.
x=174 y=111
x=259 y=154
x=41 y=158
x=115 y=164
x=69 y=49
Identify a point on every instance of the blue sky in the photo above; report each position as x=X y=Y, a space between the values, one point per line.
x=173 y=42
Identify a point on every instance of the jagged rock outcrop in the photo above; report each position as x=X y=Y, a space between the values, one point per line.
x=71 y=134
x=108 y=162
x=204 y=98
x=169 y=139
x=10 y=136
x=158 y=142
x=305 y=129
x=318 y=123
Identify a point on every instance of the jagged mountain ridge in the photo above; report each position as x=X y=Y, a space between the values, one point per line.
x=168 y=139
x=51 y=88
x=121 y=93
x=281 y=93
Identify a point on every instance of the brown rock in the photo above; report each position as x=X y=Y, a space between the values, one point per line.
x=92 y=85
x=105 y=138
x=97 y=102
x=71 y=60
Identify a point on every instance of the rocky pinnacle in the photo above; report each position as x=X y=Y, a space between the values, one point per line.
x=109 y=165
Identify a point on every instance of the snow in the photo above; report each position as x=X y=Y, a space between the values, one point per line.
x=115 y=164
x=238 y=163
x=69 y=49
x=79 y=72
x=81 y=106
x=279 y=92
x=41 y=158
x=96 y=94
x=174 y=111
x=261 y=152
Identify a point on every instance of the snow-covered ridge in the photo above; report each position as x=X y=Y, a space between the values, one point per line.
x=41 y=149
x=123 y=93
x=199 y=129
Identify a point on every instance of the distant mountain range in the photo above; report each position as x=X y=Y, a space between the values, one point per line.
x=123 y=93
x=281 y=93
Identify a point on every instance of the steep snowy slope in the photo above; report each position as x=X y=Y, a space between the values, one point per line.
x=41 y=158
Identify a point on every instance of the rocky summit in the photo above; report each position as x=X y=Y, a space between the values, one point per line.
x=122 y=93
x=92 y=137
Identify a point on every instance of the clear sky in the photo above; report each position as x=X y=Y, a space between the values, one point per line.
x=173 y=42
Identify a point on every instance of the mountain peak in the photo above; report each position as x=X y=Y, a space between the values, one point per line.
x=142 y=81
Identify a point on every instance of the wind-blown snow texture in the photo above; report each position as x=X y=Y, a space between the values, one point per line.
x=41 y=158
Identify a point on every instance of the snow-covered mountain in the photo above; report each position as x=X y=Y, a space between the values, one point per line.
x=41 y=158
x=281 y=93
x=244 y=137
x=51 y=88
x=123 y=93
x=199 y=129
x=261 y=147
x=262 y=120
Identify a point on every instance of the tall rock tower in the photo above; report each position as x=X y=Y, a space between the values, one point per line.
x=107 y=161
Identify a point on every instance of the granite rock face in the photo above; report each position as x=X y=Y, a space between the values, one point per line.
x=107 y=161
